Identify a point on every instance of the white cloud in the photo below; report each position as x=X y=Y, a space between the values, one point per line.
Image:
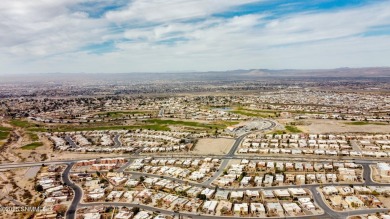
x=45 y=27
x=320 y=26
x=163 y=10
x=146 y=32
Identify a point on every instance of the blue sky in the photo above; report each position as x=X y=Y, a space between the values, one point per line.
x=191 y=35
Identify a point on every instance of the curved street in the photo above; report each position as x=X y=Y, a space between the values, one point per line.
x=117 y=142
x=78 y=192
x=317 y=197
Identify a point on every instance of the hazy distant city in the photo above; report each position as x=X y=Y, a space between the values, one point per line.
x=169 y=145
x=194 y=109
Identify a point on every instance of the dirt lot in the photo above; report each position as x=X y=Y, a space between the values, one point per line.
x=17 y=188
x=216 y=146
x=384 y=200
x=376 y=177
x=337 y=126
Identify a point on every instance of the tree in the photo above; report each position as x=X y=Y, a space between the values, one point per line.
x=39 y=188
x=159 y=202
x=135 y=210
x=201 y=197
x=375 y=193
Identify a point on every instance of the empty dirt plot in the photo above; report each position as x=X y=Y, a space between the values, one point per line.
x=31 y=172
x=339 y=126
x=216 y=146
x=377 y=177
x=384 y=200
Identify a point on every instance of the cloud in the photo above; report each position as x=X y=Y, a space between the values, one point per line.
x=163 y=11
x=43 y=27
x=175 y=35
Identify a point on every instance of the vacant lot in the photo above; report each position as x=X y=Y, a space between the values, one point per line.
x=254 y=113
x=118 y=114
x=377 y=177
x=213 y=146
x=292 y=129
x=4 y=132
x=31 y=172
x=384 y=200
x=220 y=125
x=337 y=126
x=32 y=146
x=3 y=135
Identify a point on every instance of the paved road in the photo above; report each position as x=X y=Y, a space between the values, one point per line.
x=78 y=193
x=317 y=197
x=236 y=144
x=218 y=173
x=232 y=152
x=117 y=142
x=238 y=141
x=161 y=112
x=122 y=168
x=328 y=213
x=340 y=214
x=198 y=216
x=236 y=157
x=31 y=164
x=355 y=146
x=225 y=162
x=320 y=202
x=367 y=175
x=138 y=174
x=367 y=171
x=70 y=141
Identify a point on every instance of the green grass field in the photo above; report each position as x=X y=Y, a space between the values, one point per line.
x=292 y=129
x=278 y=132
x=37 y=129
x=364 y=123
x=99 y=128
x=32 y=146
x=3 y=135
x=20 y=123
x=228 y=123
x=221 y=125
x=27 y=125
x=31 y=128
x=33 y=136
x=4 y=132
x=5 y=129
x=118 y=114
x=245 y=113
x=267 y=113
x=151 y=124
x=254 y=113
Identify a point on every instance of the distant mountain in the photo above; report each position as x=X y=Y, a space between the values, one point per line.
x=338 y=72
x=234 y=75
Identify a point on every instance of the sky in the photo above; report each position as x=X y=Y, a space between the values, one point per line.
x=120 y=36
